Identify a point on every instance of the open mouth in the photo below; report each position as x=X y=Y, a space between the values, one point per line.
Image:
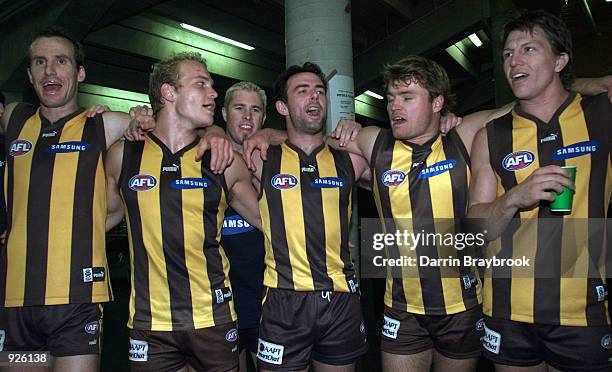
x=519 y=76
x=245 y=126
x=313 y=111
x=51 y=86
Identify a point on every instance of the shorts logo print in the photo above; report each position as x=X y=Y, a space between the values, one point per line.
x=92 y=327
x=390 y=327
x=231 y=335
x=270 y=353
x=138 y=350
x=362 y=327
x=606 y=342
x=2 y=335
x=491 y=340
x=479 y=324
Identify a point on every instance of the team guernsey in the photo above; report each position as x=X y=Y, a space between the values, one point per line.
x=55 y=191
x=565 y=285
x=174 y=210
x=422 y=189
x=309 y=196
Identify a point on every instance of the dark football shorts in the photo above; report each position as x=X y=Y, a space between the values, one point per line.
x=63 y=330
x=299 y=326
x=206 y=349
x=566 y=348
x=455 y=336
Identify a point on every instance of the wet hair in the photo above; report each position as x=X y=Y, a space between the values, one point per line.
x=168 y=71
x=427 y=73
x=244 y=86
x=556 y=32
x=79 y=54
x=280 y=86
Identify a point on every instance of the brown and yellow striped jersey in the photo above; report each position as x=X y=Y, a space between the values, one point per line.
x=565 y=283
x=55 y=194
x=174 y=209
x=423 y=189
x=305 y=207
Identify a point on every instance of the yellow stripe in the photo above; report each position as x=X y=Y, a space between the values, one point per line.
x=132 y=301
x=193 y=233
x=441 y=197
x=575 y=246
x=99 y=289
x=61 y=213
x=270 y=274
x=152 y=238
x=401 y=208
x=331 y=221
x=524 y=137
x=293 y=216
x=16 y=247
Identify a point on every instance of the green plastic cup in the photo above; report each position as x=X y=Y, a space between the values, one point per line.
x=563 y=202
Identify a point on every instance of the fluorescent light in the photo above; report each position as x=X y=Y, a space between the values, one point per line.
x=474 y=39
x=373 y=95
x=215 y=36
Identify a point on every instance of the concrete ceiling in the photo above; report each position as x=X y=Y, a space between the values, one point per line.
x=122 y=38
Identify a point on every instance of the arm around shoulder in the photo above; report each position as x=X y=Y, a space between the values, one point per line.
x=242 y=194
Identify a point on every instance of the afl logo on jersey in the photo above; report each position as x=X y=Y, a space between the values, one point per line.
x=393 y=177
x=438 y=168
x=142 y=182
x=20 y=147
x=284 y=181
x=518 y=160
x=68 y=147
x=190 y=183
x=575 y=150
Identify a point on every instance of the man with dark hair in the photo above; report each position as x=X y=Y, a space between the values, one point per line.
x=311 y=310
x=54 y=273
x=181 y=312
x=553 y=315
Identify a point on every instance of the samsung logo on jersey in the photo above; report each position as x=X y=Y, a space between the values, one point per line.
x=233 y=225
x=68 y=147
x=20 y=147
x=438 y=168
x=327 y=183
x=393 y=177
x=284 y=181
x=142 y=182
x=518 y=160
x=190 y=183
x=575 y=150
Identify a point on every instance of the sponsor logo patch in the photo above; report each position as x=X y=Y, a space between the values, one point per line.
x=142 y=182
x=606 y=342
x=19 y=147
x=390 y=327
x=438 y=168
x=353 y=285
x=2 y=336
x=171 y=168
x=362 y=327
x=575 y=150
x=491 y=340
x=93 y=274
x=231 y=335
x=309 y=169
x=138 y=350
x=233 y=225
x=468 y=281
x=222 y=295
x=269 y=352
x=190 y=183
x=327 y=183
x=393 y=177
x=518 y=160
x=284 y=181
x=64 y=147
x=49 y=134
x=602 y=293
x=92 y=327
x=550 y=137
